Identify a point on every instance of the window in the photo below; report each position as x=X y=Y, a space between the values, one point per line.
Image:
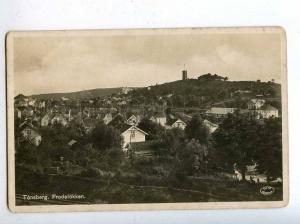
x=132 y=134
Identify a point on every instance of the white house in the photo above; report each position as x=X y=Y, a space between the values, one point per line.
x=159 y=118
x=267 y=111
x=176 y=123
x=131 y=133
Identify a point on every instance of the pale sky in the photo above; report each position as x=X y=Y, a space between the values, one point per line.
x=65 y=63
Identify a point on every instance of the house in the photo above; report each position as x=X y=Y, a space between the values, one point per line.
x=266 y=111
x=29 y=133
x=254 y=104
x=59 y=119
x=45 y=120
x=176 y=123
x=133 y=120
x=159 y=118
x=131 y=134
x=63 y=98
x=212 y=127
x=221 y=111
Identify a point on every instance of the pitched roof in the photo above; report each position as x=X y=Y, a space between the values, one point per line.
x=122 y=127
x=267 y=107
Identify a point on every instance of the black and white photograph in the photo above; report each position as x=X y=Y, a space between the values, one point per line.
x=147 y=119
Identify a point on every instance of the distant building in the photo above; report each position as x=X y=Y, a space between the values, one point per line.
x=45 y=120
x=63 y=98
x=159 y=118
x=176 y=123
x=267 y=111
x=254 y=104
x=184 y=75
x=41 y=104
x=221 y=111
x=126 y=90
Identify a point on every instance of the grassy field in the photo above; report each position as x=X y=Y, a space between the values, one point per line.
x=116 y=190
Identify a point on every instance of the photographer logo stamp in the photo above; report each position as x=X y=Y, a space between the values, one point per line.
x=267 y=190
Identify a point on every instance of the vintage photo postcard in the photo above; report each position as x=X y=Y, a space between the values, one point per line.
x=147 y=119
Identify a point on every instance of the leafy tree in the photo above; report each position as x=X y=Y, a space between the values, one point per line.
x=153 y=129
x=236 y=141
x=55 y=135
x=178 y=100
x=195 y=129
x=106 y=137
x=269 y=153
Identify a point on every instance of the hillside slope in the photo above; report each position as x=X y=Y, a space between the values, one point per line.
x=85 y=94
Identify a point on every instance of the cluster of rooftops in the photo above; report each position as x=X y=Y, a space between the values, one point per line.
x=34 y=114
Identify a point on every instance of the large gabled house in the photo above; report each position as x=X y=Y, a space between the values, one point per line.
x=130 y=133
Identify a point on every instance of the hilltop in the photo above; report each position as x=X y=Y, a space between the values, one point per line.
x=209 y=90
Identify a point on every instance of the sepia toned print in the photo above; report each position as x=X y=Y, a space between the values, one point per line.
x=147 y=119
